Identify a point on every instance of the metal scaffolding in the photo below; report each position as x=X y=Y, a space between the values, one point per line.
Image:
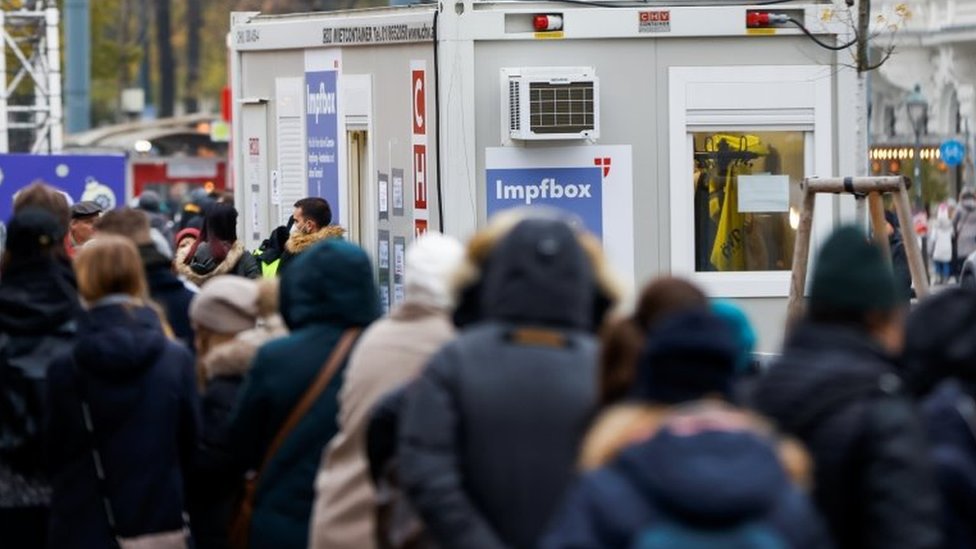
x=31 y=112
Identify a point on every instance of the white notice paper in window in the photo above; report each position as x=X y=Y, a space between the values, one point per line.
x=764 y=193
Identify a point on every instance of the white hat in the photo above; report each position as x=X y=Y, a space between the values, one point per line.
x=430 y=263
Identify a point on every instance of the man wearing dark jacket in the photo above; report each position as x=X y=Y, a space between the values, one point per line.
x=491 y=429
x=164 y=287
x=836 y=389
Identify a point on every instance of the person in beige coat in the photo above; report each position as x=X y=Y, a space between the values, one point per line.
x=390 y=353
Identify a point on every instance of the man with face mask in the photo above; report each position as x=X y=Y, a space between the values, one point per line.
x=309 y=225
x=964 y=228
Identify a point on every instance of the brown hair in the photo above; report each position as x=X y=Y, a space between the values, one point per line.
x=128 y=222
x=110 y=264
x=45 y=197
x=623 y=339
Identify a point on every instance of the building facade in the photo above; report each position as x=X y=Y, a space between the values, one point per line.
x=935 y=49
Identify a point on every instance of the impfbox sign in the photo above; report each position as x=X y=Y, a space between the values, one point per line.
x=594 y=183
x=654 y=21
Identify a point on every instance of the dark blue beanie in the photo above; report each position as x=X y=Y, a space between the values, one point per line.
x=687 y=356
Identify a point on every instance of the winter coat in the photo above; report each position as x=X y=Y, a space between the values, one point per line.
x=720 y=477
x=490 y=430
x=214 y=483
x=171 y=293
x=299 y=242
x=330 y=290
x=964 y=225
x=203 y=267
x=38 y=311
x=837 y=392
x=950 y=418
x=389 y=354
x=940 y=240
x=141 y=392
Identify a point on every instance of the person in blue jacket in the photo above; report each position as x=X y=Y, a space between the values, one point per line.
x=703 y=473
x=327 y=290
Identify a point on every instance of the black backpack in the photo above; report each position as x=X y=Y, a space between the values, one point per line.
x=24 y=361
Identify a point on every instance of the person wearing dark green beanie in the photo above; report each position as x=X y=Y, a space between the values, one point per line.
x=836 y=388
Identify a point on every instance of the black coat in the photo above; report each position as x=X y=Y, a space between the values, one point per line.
x=215 y=484
x=141 y=390
x=38 y=309
x=838 y=393
x=171 y=293
x=940 y=353
x=491 y=428
x=950 y=416
x=710 y=480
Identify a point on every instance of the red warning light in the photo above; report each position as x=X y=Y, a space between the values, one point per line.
x=547 y=23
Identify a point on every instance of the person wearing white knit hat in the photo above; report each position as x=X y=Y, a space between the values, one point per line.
x=389 y=354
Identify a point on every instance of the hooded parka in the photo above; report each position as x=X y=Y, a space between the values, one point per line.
x=140 y=388
x=490 y=431
x=712 y=478
x=327 y=290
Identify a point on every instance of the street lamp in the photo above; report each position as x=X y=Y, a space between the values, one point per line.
x=918 y=109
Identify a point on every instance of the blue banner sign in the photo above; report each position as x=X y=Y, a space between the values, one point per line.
x=575 y=190
x=322 y=132
x=80 y=177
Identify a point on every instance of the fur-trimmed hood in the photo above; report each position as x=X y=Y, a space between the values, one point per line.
x=234 y=255
x=299 y=242
x=624 y=425
x=234 y=357
x=469 y=280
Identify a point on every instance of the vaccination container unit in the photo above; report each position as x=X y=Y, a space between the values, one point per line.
x=678 y=134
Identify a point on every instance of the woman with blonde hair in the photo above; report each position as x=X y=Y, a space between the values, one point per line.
x=123 y=416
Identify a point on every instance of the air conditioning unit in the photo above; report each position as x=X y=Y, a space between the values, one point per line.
x=550 y=103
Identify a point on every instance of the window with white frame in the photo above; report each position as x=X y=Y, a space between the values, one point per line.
x=742 y=141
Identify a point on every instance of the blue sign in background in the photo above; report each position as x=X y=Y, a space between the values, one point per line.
x=81 y=177
x=322 y=133
x=579 y=191
x=953 y=153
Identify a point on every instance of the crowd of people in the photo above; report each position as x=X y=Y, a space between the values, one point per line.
x=163 y=387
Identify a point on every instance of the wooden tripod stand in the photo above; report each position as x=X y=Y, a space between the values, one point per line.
x=872 y=188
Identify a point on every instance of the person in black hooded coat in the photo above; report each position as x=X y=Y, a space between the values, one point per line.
x=490 y=430
x=38 y=310
x=140 y=390
x=940 y=364
x=836 y=388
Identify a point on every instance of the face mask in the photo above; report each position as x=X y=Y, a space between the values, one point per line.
x=294 y=229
